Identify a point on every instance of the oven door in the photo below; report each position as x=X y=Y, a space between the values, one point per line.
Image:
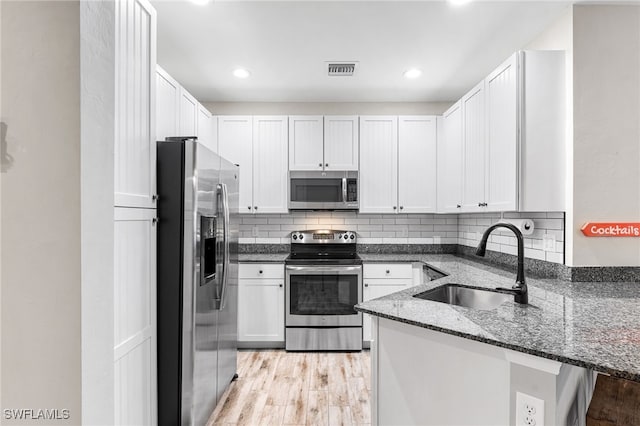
x=320 y=296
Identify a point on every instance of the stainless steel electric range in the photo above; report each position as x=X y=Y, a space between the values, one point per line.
x=323 y=282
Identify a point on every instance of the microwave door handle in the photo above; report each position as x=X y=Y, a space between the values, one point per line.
x=225 y=241
x=344 y=190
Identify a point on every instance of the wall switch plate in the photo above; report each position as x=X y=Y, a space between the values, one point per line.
x=529 y=410
x=255 y=231
x=548 y=242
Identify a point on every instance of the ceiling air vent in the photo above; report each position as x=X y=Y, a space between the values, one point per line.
x=343 y=69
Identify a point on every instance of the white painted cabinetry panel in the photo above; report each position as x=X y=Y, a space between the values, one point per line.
x=207 y=129
x=450 y=161
x=306 y=142
x=235 y=139
x=261 y=303
x=167 y=105
x=135 y=83
x=378 y=164
x=341 y=142
x=502 y=137
x=270 y=164
x=417 y=164
x=474 y=152
x=135 y=315
x=188 y=114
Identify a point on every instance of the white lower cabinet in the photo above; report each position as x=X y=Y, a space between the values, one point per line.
x=134 y=351
x=261 y=304
x=381 y=279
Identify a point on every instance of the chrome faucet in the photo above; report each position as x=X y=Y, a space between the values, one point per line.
x=519 y=289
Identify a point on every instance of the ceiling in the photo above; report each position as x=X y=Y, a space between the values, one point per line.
x=286 y=45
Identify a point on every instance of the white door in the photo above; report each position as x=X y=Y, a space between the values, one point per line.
x=417 y=164
x=135 y=104
x=450 y=161
x=270 y=164
x=167 y=105
x=502 y=137
x=235 y=140
x=305 y=142
x=341 y=142
x=207 y=131
x=134 y=316
x=378 y=164
x=474 y=149
x=188 y=114
x=261 y=310
x=374 y=288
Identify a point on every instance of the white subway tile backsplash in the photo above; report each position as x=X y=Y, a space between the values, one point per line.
x=554 y=257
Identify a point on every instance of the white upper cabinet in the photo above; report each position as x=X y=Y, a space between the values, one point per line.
x=167 y=105
x=341 y=142
x=188 y=114
x=417 y=164
x=259 y=145
x=474 y=149
x=305 y=142
x=378 y=164
x=235 y=143
x=207 y=129
x=135 y=84
x=270 y=164
x=450 y=161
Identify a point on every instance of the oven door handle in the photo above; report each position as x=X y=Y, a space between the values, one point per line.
x=332 y=269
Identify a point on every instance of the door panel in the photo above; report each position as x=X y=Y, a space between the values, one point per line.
x=341 y=142
x=306 y=142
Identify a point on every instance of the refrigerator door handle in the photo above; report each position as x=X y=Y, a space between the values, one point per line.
x=224 y=197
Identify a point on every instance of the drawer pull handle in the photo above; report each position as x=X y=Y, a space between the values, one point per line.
x=366 y=285
x=280 y=285
x=260 y=271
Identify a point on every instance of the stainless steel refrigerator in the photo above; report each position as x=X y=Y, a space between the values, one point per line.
x=197 y=280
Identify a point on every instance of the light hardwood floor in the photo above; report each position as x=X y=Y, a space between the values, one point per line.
x=275 y=387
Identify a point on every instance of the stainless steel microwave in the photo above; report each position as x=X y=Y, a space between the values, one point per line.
x=323 y=190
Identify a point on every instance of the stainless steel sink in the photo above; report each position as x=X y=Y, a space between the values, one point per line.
x=469 y=297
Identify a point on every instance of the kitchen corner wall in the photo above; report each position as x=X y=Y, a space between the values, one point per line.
x=463 y=229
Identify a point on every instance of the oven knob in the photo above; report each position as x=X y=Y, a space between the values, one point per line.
x=352 y=236
x=295 y=237
x=300 y=236
x=346 y=237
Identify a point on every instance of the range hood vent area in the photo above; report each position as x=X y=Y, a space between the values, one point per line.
x=341 y=69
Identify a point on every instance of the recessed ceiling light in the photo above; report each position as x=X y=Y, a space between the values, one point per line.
x=201 y=2
x=412 y=73
x=241 y=73
x=458 y=2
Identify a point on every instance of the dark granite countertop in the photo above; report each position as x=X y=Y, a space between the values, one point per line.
x=592 y=325
x=262 y=257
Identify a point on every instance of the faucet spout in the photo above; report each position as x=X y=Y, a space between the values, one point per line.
x=519 y=289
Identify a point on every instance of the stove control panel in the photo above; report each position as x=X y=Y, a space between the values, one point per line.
x=323 y=237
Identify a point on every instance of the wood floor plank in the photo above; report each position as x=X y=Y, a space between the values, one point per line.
x=263 y=376
x=296 y=410
x=272 y=415
x=359 y=401
x=252 y=408
x=318 y=408
x=232 y=405
x=319 y=377
x=340 y=416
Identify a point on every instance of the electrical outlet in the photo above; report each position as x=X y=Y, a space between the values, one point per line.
x=255 y=231
x=548 y=242
x=529 y=410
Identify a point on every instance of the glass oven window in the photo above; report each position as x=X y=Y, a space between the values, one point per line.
x=323 y=294
x=316 y=190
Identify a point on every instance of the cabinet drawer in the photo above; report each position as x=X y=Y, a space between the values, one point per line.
x=261 y=270
x=388 y=270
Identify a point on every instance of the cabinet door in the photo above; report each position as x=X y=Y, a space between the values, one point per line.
x=134 y=304
x=450 y=161
x=417 y=164
x=207 y=130
x=261 y=310
x=188 y=114
x=167 y=105
x=270 y=164
x=235 y=136
x=135 y=104
x=341 y=142
x=502 y=137
x=474 y=151
x=374 y=288
x=378 y=164
x=305 y=142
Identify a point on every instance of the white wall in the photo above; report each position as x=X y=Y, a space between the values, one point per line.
x=606 y=145
x=97 y=25
x=41 y=201
x=327 y=108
